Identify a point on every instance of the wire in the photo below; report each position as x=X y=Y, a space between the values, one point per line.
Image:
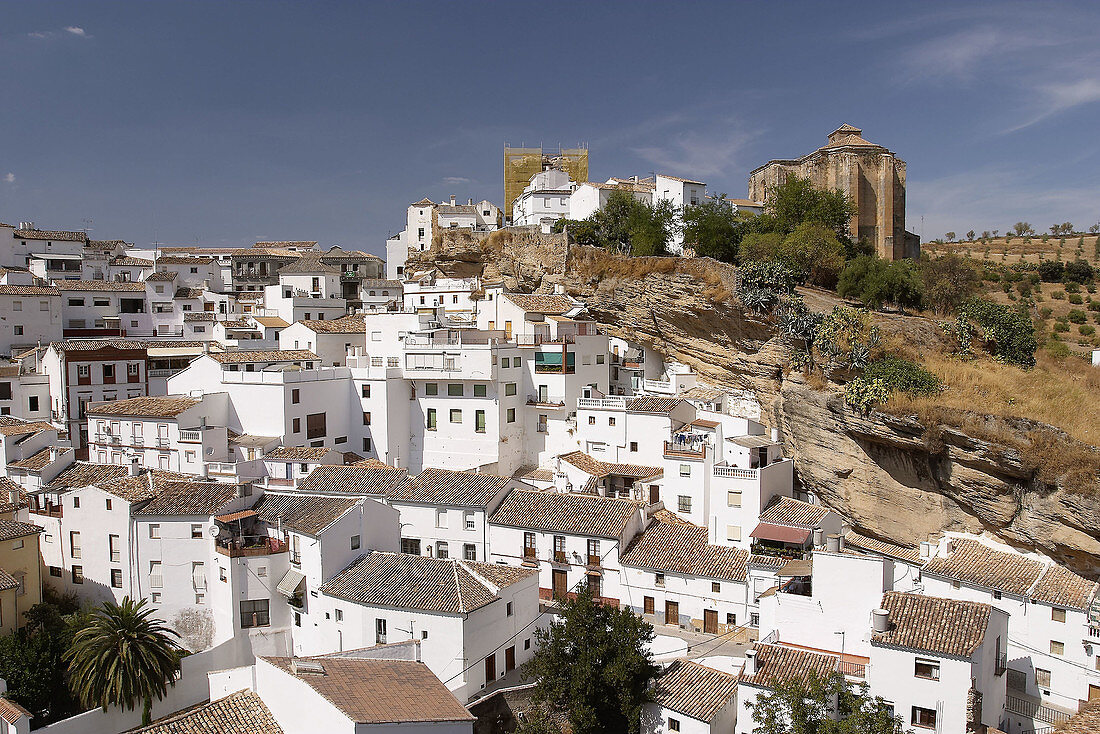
x=517 y=634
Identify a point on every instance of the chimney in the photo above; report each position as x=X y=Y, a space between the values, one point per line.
x=133 y=471
x=832 y=544
x=13 y=496
x=925 y=549
x=750 y=662
x=53 y=454
x=469 y=202
x=880 y=620
x=775 y=435
x=819 y=537
x=452 y=199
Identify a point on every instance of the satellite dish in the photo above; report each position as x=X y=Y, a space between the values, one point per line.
x=214 y=530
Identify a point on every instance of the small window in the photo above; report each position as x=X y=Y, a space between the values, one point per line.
x=355 y=542
x=78 y=574
x=366 y=417
x=255 y=613
x=366 y=391
x=1057 y=648
x=509 y=388
x=76 y=503
x=431 y=388
x=339 y=615
x=296 y=425
x=480 y=391
x=928 y=669
x=611 y=420
x=1042 y=678
x=511 y=415
x=591 y=420
x=469 y=552
x=432 y=419
x=633 y=446
x=116 y=578
x=733 y=498
x=924 y=718
x=454 y=390
x=659 y=579
x=716 y=587
x=196 y=530
x=683 y=503
x=685 y=470
x=1057 y=615
x=154 y=530
x=508 y=610
x=505 y=361
x=673 y=724
x=55 y=571
x=108 y=504
x=733 y=533
x=456 y=415
x=295 y=396
x=527 y=644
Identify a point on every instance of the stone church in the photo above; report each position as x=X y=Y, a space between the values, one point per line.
x=872 y=177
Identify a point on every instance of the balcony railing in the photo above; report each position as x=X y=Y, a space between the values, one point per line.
x=250 y=545
x=1002 y=664
x=529 y=554
x=533 y=340
x=549 y=401
x=594 y=561
x=685 y=450
x=190 y=436
x=733 y=472
x=612 y=403
x=1034 y=709
x=560 y=557
x=162 y=442
x=854 y=670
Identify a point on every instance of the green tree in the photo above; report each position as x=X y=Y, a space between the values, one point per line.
x=1023 y=229
x=714 y=228
x=124 y=656
x=796 y=201
x=592 y=664
x=581 y=231
x=1008 y=333
x=950 y=236
x=815 y=251
x=948 y=281
x=31 y=661
x=635 y=227
x=875 y=282
x=970 y=236
x=817 y=705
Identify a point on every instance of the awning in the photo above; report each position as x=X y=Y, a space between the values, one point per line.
x=795 y=568
x=235 y=516
x=291 y=582
x=592 y=572
x=780 y=533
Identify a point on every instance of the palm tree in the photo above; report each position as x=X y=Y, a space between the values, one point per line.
x=122 y=657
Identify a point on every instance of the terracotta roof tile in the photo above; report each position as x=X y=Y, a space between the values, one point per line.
x=37 y=461
x=457 y=488
x=882 y=548
x=7 y=581
x=342 y=325
x=85 y=474
x=238 y=713
x=379 y=691
x=647 y=404
x=266 y=355
x=545 y=304
x=931 y=624
x=101 y=285
x=298 y=453
x=676 y=546
x=978 y=564
x=777 y=663
x=50 y=234
x=19 y=427
x=11 y=712
x=695 y=690
x=578 y=514
x=1063 y=587
x=28 y=290
x=190 y=498
x=789 y=511
x=10 y=529
x=1085 y=721
x=369 y=478
x=307 y=514
x=160 y=406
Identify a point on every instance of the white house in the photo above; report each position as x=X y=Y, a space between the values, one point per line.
x=692 y=699
x=329 y=339
x=29 y=315
x=543 y=201
x=475 y=621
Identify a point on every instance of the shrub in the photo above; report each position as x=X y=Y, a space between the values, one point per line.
x=1058 y=295
x=1078 y=271
x=948 y=281
x=1060 y=327
x=1045 y=312
x=1086 y=330
x=1023 y=288
x=1058 y=350
x=1077 y=316
x=1009 y=334
x=1051 y=271
x=1094 y=305
x=1072 y=287
x=1075 y=299
x=876 y=282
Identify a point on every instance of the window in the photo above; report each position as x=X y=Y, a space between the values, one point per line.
x=196 y=530
x=366 y=391
x=469 y=552
x=673 y=724
x=511 y=415
x=456 y=415
x=479 y=421
x=454 y=390
x=112 y=546
x=366 y=444
x=78 y=574
x=929 y=669
x=355 y=540
x=156 y=577
x=431 y=388
x=685 y=470
x=431 y=419
x=296 y=425
x=17 y=305
x=295 y=396
x=108 y=504
x=731 y=618
x=924 y=718
x=410 y=546
x=441 y=518
x=529 y=545
x=1057 y=615
x=716 y=587
x=591 y=420
x=380 y=631
x=116 y=578
x=733 y=533
x=468 y=519
x=1057 y=648
x=733 y=498
x=76 y=503
x=1042 y=678
x=74 y=544
x=659 y=579
x=480 y=391
x=754 y=619
x=996 y=594
x=599 y=359
x=154 y=530
x=509 y=388
x=593 y=552
x=633 y=446
x=32 y=403
x=683 y=503
x=255 y=613
x=339 y=615
x=505 y=361
x=18 y=330
x=55 y=571
x=17 y=544
x=610 y=420
x=527 y=644
x=155 y=597
x=315 y=425
x=366 y=417
x=108 y=371
x=442 y=550
x=508 y=610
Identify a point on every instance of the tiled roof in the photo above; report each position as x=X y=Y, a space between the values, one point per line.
x=100 y=285
x=199 y=316
x=307 y=514
x=238 y=713
x=298 y=453
x=90 y=345
x=682 y=180
x=7 y=581
x=648 y=404
x=1085 y=721
x=190 y=498
x=160 y=406
x=789 y=511
x=1063 y=587
x=931 y=624
x=545 y=304
x=342 y=325
x=50 y=234
x=778 y=663
x=10 y=529
x=308 y=264
x=404 y=581
x=28 y=290
x=105 y=244
x=677 y=546
x=282 y=244
x=12 y=712
x=695 y=690
x=380 y=283
x=37 y=461
x=142 y=487
x=881 y=547
x=7 y=486
x=578 y=514
x=182 y=260
x=189 y=293
x=162 y=276
x=271 y=321
x=370 y=478
x=18 y=427
x=446 y=487
x=133 y=261
x=266 y=355
x=84 y=474
x=379 y=691
x=978 y=564
x=236 y=324
x=591 y=465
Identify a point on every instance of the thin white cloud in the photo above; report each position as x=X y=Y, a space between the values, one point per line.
x=455 y=180
x=9 y=177
x=76 y=31
x=1057 y=97
x=694 y=153
x=69 y=30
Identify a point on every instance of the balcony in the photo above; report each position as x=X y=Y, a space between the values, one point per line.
x=221 y=469
x=1001 y=664
x=534 y=340
x=560 y=557
x=733 y=472
x=250 y=545
x=686 y=451
x=611 y=403
x=852 y=669
x=190 y=437
x=530 y=555
x=594 y=561
x=546 y=401
x=1033 y=708
x=162 y=442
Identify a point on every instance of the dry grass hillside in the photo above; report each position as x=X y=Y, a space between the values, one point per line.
x=1021 y=249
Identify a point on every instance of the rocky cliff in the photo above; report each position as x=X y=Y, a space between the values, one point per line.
x=891 y=476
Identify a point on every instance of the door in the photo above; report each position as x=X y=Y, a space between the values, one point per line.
x=710 y=621
x=490 y=668
x=559 y=582
x=672 y=612
x=654 y=494
x=647 y=605
x=510 y=659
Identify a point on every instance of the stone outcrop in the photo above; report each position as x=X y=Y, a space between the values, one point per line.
x=890 y=476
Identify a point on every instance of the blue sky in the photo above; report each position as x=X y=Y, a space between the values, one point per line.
x=224 y=123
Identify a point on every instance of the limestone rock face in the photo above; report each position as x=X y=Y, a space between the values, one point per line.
x=882 y=472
